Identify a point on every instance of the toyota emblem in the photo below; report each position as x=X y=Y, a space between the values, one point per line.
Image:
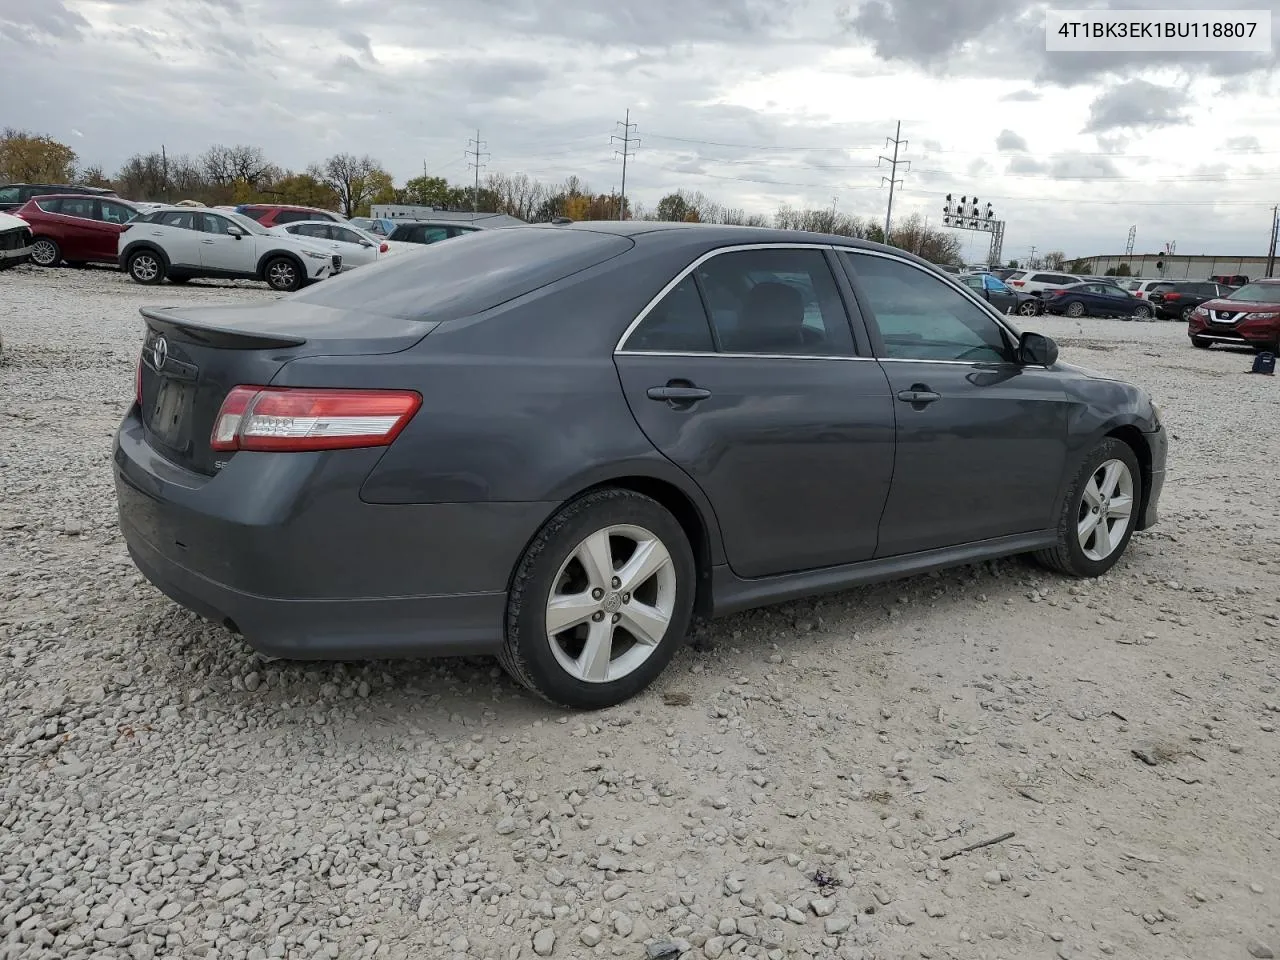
x=159 y=352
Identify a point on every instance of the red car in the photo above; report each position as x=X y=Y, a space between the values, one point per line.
x=75 y=228
x=1248 y=317
x=278 y=214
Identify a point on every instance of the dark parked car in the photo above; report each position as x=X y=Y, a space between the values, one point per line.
x=76 y=228
x=1002 y=296
x=1248 y=317
x=1096 y=300
x=1230 y=280
x=556 y=444
x=1178 y=299
x=14 y=195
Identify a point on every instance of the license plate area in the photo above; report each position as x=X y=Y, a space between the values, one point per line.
x=170 y=420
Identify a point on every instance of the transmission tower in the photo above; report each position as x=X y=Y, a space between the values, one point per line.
x=474 y=155
x=892 y=179
x=1133 y=235
x=626 y=139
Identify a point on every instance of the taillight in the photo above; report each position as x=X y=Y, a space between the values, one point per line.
x=1016 y=283
x=383 y=249
x=137 y=382
x=1060 y=293
x=1172 y=296
x=295 y=419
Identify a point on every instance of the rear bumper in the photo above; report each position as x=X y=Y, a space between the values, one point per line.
x=280 y=548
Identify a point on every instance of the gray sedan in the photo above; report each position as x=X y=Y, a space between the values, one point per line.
x=558 y=444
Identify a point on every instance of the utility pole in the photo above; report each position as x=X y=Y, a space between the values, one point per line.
x=164 y=173
x=893 y=173
x=474 y=153
x=626 y=139
x=1275 y=234
x=1032 y=263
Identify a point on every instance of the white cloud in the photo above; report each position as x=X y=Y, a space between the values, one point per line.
x=756 y=103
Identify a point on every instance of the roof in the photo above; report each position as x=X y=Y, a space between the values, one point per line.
x=82 y=189
x=727 y=234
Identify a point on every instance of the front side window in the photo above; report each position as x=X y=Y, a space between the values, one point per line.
x=921 y=318
x=212 y=223
x=775 y=302
x=676 y=324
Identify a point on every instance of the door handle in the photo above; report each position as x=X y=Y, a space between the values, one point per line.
x=677 y=394
x=918 y=394
x=206 y=241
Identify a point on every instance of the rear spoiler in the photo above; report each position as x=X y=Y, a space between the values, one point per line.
x=165 y=320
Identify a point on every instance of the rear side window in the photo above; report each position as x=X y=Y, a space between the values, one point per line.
x=8 y=194
x=291 y=216
x=676 y=324
x=468 y=276
x=50 y=204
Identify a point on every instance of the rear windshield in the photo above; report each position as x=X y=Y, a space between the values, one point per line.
x=1258 y=293
x=467 y=275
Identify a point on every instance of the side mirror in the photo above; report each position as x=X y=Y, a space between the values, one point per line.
x=235 y=231
x=1037 y=350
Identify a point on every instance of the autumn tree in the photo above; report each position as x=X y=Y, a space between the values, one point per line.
x=304 y=190
x=35 y=158
x=357 y=181
x=94 y=177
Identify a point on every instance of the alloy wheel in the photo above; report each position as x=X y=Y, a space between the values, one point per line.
x=144 y=267
x=611 y=603
x=1027 y=308
x=1075 y=309
x=44 y=253
x=281 y=275
x=1106 y=510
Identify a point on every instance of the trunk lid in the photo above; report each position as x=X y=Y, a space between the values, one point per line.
x=193 y=356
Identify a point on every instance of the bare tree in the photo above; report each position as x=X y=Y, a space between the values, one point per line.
x=225 y=166
x=356 y=180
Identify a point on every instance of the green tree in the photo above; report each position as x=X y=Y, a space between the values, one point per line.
x=425 y=191
x=304 y=190
x=35 y=158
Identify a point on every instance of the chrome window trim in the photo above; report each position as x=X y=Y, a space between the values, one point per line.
x=680 y=277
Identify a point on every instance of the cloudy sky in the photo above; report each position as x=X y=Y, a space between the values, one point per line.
x=755 y=102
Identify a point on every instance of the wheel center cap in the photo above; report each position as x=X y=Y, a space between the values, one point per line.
x=612 y=603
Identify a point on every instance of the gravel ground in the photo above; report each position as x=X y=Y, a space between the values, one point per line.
x=800 y=788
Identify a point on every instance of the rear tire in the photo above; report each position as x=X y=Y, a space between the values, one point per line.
x=1093 y=532
x=1142 y=312
x=145 y=267
x=282 y=274
x=1201 y=343
x=1075 y=310
x=552 y=583
x=45 y=252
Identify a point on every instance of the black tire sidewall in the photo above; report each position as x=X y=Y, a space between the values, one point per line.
x=526 y=612
x=1108 y=449
x=1075 y=310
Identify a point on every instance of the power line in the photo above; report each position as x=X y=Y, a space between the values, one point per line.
x=897 y=142
x=478 y=164
x=626 y=140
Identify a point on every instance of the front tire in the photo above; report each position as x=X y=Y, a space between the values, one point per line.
x=1142 y=312
x=45 y=252
x=282 y=274
x=600 y=601
x=1099 y=514
x=1028 y=308
x=145 y=267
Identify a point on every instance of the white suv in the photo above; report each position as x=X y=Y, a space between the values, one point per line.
x=182 y=243
x=1038 y=282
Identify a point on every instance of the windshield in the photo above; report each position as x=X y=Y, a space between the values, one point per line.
x=1257 y=293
